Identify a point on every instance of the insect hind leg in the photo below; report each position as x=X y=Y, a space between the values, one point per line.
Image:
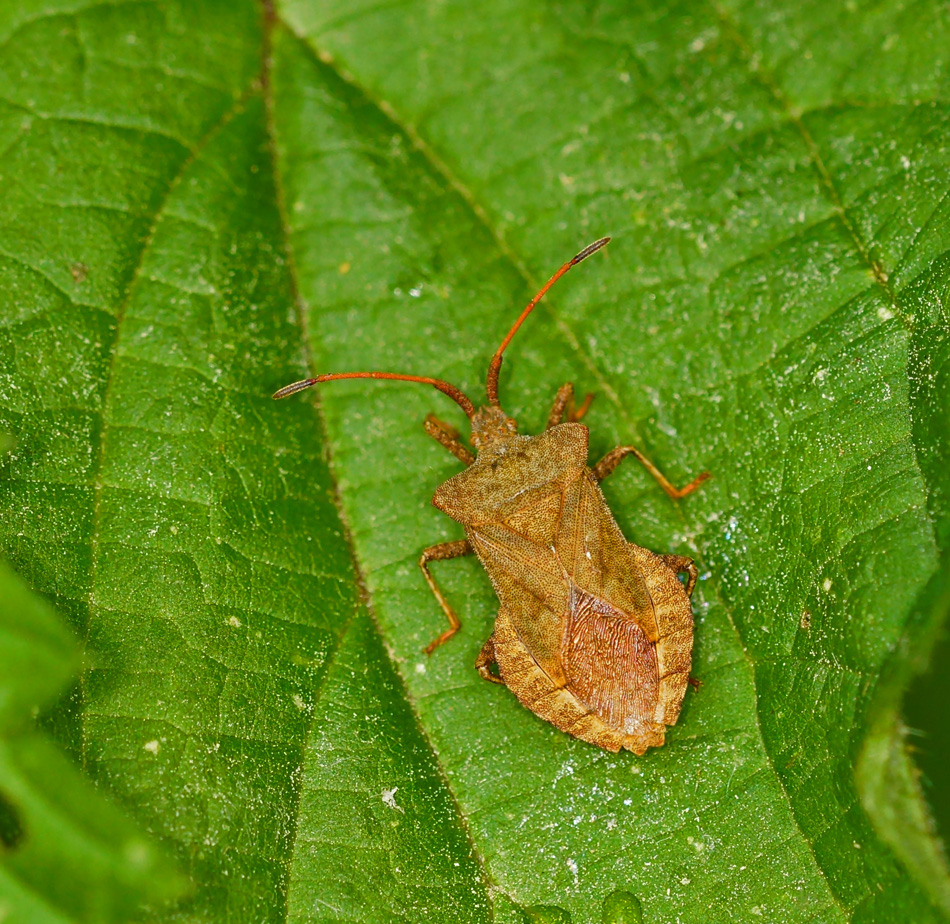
x=485 y=660
x=681 y=564
x=563 y=406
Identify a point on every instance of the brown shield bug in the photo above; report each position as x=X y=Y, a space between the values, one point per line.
x=594 y=634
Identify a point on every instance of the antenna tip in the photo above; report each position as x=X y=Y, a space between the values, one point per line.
x=589 y=249
x=293 y=388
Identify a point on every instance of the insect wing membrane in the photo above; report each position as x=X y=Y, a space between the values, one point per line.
x=610 y=664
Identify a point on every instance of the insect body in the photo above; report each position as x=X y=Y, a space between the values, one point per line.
x=594 y=634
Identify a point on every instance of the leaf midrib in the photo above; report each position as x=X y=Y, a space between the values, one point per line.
x=270 y=22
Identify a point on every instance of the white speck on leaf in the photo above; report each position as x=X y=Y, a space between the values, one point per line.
x=572 y=866
x=389 y=798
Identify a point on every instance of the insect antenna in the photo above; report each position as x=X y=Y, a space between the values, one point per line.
x=494 y=367
x=461 y=400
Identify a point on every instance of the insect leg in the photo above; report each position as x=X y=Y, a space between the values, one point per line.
x=564 y=402
x=485 y=659
x=681 y=564
x=613 y=458
x=439 y=553
x=448 y=437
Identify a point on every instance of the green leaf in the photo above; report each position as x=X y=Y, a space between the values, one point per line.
x=203 y=202
x=66 y=854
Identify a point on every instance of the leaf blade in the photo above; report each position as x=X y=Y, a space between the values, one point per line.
x=413 y=205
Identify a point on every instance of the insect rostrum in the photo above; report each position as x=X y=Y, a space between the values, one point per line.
x=594 y=634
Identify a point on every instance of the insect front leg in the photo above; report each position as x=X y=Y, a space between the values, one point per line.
x=485 y=659
x=683 y=565
x=613 y=458
x=564 y=406
x=448 y=436
x=441 y=552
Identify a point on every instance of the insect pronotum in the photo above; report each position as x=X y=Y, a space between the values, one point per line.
x=593 y=634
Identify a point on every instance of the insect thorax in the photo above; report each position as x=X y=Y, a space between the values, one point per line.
x=508 y=473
